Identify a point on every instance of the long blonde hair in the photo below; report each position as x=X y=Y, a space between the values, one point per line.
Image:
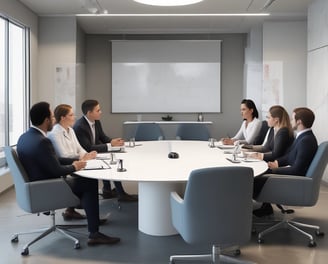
x=277 y=111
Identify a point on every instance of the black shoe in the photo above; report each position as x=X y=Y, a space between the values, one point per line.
x=127 y=198
x=265 y=210
x=98 y=238
x=69 y=215
x=108 y=194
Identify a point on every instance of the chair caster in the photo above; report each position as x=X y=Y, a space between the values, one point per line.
x=14 y=239
x=319 y=233
x=260 y=241
x=77 y=245
x=312 y=244
x=25 y=252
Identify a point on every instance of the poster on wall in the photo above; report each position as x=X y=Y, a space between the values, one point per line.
x=65 y=84
x=272 y=85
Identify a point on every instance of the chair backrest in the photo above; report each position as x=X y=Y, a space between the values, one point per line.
x=218 y=206
x=262 y=133
x=20 y=179
x=38 y=196
x=317 y=169
x=148 y=131
x=192 y=132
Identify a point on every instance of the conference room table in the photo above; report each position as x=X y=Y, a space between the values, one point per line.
x=157 y=175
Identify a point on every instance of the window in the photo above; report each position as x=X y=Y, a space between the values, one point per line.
x=14 y=82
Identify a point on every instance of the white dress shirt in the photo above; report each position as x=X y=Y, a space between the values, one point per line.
x=66 y=143
x=247 y=135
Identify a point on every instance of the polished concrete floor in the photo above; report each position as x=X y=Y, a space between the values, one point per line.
x=283 y=246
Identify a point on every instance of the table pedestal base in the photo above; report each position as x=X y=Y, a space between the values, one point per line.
x=154 y=207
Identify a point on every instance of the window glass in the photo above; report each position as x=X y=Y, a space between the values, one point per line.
x=2 y=82
x=16 y=83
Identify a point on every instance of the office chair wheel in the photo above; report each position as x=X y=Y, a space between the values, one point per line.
x=25 y=252
x=260 y=241
x=312 y=244
x=319 y=233
x=14 y=239
x=77 y=245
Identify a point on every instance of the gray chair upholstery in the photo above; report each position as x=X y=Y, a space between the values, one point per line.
x=262 y=133
x=290 y=190
x=40 y=196
x=216 y=211
x=192 y=132
x=148 y=131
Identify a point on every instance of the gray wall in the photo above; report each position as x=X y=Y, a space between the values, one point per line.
x=98 y=83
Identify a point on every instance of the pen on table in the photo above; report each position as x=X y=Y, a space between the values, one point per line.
x=106 y=163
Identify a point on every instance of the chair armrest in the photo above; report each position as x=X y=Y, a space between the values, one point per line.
x=177 y=211
x=51 y=194
x=286 y=190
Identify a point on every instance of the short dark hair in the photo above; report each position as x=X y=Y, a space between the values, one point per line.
x=39 y=112
x=251 y=105
x=89 y=105
x=305 y=115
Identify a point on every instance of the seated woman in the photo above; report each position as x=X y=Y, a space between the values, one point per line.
x=249 y=128
x=66 y=145
x=279 y=139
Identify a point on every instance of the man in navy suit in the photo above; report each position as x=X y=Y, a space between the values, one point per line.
x=40 y=161
x=91 y=136
x=298 y=158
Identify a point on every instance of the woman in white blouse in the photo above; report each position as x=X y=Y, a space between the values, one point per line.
x=66 y=145
x=249 y=128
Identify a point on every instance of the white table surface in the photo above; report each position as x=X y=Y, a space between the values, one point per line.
x=157 y=175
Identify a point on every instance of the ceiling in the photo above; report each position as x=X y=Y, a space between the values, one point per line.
x=280 y=10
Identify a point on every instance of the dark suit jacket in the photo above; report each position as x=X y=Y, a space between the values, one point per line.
x=84 y=135
x=39 y=158
x=277 y=145
x=299 y=156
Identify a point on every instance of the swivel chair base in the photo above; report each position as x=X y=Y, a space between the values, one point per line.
x=215 y=257
x=46 y=231
x=293 y=225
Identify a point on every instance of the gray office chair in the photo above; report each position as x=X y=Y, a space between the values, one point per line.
x=148 y=131
x=262 y=133
x=192 y=132
x=39 y=197
x=290 y=190
x=216 y=211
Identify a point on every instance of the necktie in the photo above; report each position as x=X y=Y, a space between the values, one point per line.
x=93 y=130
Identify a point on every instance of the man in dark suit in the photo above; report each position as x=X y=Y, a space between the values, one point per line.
x=40 y=161
x=298 y=158
x=91 y=136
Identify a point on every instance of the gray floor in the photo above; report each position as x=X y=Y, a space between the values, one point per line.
x=280 y=247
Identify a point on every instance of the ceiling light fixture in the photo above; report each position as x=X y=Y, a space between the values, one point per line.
x=168 y=2
x=180 y=15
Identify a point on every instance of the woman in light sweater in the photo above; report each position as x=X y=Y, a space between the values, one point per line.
x=67 y=145
x=250 y=126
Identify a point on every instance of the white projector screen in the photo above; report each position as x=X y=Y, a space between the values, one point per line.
x=166 y=76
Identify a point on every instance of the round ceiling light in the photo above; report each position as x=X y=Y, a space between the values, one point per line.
x=168 y=2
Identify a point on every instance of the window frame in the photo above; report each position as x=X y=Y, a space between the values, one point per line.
x=26 y=82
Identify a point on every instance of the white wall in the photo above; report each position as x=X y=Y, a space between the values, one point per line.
x=254 y=66
x=317 y=77
x=285 y=42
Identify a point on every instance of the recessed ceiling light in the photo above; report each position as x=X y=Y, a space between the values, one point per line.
x=168 y=2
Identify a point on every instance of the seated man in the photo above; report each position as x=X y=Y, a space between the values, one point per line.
x=298 y=158
x=91 y=136
x=40 y=161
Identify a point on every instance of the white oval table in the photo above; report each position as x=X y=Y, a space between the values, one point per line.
x=157 y=176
